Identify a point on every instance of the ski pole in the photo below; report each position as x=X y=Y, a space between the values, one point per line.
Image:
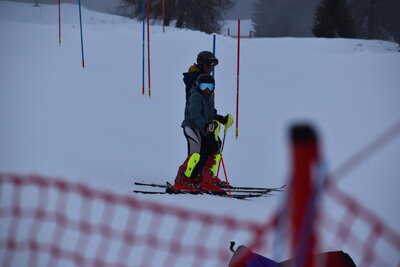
x=229 y=118
x=226 y=177
x=223 y=141
x=223 y=164
x=220 y=151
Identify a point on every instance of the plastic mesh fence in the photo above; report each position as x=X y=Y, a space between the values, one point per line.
x=354 y=228
x=50 y=222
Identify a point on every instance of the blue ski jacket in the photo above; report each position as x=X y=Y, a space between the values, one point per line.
x=200 y=111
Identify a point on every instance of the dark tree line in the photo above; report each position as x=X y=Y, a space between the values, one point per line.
x=202 y=15
x=277 y=18
x=333 y=19
x=369 y=19
x=376 y=19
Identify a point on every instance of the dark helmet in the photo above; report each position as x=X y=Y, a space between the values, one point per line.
x=205 y=81
x=205 y=78
x=206 y=57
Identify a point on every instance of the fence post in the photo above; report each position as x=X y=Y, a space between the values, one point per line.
x=305 y=173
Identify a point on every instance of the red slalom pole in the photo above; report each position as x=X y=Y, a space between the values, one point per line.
x=148 y=42
x=143 y=41
x=237 y=81
x=302 y=196
x=59 y=22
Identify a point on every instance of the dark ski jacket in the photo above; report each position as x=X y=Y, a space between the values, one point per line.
x=189 y=78
x=200 y=111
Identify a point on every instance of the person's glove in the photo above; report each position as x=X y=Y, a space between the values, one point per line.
x=214 y=127
x=228 y=122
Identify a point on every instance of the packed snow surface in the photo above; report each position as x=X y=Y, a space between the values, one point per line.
x=93 y=125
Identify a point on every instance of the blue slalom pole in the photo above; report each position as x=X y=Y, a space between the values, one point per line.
x=80 y=20
x=214 y=42
x=143 y=42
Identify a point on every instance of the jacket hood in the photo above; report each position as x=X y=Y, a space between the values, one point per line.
x=190 y=77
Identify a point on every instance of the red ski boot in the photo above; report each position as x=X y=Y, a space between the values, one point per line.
x=208 y=180
x=183 y=183
x=220 y=183
x=207 y=185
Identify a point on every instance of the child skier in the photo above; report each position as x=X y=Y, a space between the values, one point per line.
x=201 y=127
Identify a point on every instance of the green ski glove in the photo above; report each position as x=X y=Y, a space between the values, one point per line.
x=228 y=122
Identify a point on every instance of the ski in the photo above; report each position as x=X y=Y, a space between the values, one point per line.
x=152 y=185
x=237 y=196
x=238 y=189
x=268 y=189
x=233 y=190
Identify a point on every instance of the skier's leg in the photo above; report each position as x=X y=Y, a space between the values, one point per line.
x=183 y=180
x=193 y=138
x=204 y=153
x=215 y=164
x=191 y=164
x=209 y=169
x=194 y=143
x=214 y=167
x=213 y=155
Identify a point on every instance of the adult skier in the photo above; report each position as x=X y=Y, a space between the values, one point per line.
x=205 y=63
x=201 y=126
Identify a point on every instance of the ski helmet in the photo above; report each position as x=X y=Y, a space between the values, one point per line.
x=206 y=57
x=205 y=81
x=205 y=78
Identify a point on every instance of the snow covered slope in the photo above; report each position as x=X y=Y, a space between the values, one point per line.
x=94 y=125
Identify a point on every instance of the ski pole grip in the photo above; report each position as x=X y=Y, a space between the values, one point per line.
x=229 y=122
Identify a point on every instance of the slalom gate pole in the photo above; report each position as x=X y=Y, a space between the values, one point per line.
x=163 y=15
x=143 y=42
x=306 y=169
x=80 y=20
x=148 y=43
x=59 y=22
x=214 y=43
x=237 y=81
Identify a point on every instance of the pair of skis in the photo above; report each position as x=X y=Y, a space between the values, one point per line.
x=238 y=192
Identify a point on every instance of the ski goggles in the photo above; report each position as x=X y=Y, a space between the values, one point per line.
x=205 y=86
x=212 y=62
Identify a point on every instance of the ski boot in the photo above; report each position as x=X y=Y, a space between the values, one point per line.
x=183 y=182
x=214 y=169
x=208 y=175
x=220 y=183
